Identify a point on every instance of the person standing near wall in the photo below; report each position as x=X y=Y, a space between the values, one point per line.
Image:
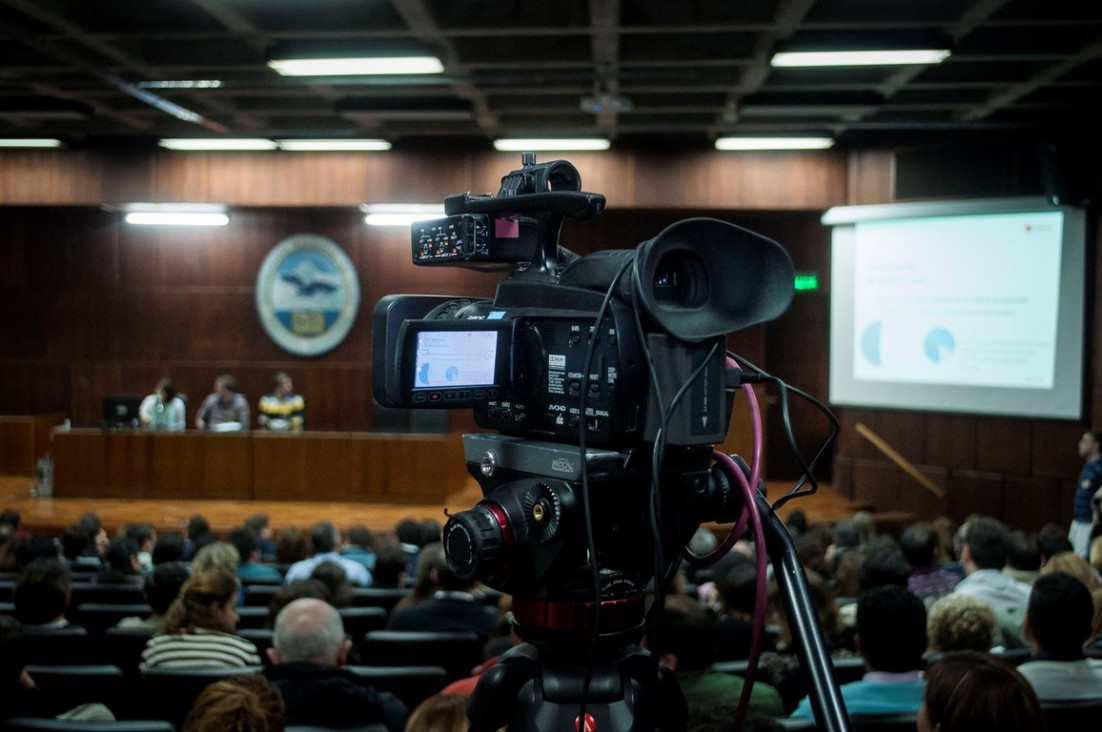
x=1090 y=479
x=282 y=410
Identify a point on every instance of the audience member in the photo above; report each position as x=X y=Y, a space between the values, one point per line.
x=121 y=564
x=358 y=546
x=440 y=714
x=324 y=540
x=796 y=523
x=338 y=588
x=891 y=638
x=309 y=648
x=217 y=556
x=292 y=546
x=944 y=528
x=1051 y=540
x=259 y=523
x=247 y=543
x=452 y=607
x=973 y=692
x=983 y=555
x=390 y=567
x=225 y=410
x=77 y=549
x=42 y=594
x=1057 y=625
x=961 y=623
x=163 y=409
x=430 y=561
x=685 y=645
x=734 y=623
x=283 y=410
x=296 y=590
x=199 y=627
x=162 y=586
x=884 y=564
x=145 y=536
x=169 y=547
x=32 y=547
x=927 y=579
x=11 y=524
x=198 y=535
x=1023 y=558
x=240 y=704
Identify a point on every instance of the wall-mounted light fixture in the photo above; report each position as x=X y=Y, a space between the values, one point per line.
x=333 y=145
x=29 y=142
x=176 y=214
x=216 y=143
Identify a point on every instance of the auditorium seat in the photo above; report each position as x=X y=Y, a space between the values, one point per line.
x=58 y=646
x=7 y=608
x=123 y=593
x=1072 y=715
x=411 y=684
x=35 y=724
x=384 y=597
x=252 y=617
x=65 y=687
x=167 y=693
x=259 y=595
x=99 y=616
x=261 y=638
x=457 y=652
x=359 y=621
x=316 y=728
x=905 y=722
x=123 y=647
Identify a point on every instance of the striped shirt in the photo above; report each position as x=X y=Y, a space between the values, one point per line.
x=201 y=649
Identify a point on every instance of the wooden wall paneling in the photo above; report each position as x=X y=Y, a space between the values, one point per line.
x=1004 y=445
x=974 y=492
x=80 y=464
x=334 y=467
x=179 y=466
x=1065 y=499
x=227 y=466
x=129 y=464
x=279 y=467
x=871 y=177
x=877 y=483
x=414 y=468
x=181 y=177
x=17 y=446
x=1030 y=503
x=58 y=177
x=950 y=440
x=915 y=499
x=1055 y=449
x=338 y=396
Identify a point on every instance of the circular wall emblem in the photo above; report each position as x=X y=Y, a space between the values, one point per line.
x=307 y=294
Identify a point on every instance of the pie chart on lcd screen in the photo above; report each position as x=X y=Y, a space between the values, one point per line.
x=939 y=345
x=870 y=342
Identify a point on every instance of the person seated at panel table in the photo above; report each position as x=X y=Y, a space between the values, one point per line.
x=225 y=410
x=163 y=409
x=282 y=410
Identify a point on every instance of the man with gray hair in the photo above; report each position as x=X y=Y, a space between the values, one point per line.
x=309 y=648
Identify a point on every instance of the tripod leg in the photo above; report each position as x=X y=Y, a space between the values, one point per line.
x=826 y=700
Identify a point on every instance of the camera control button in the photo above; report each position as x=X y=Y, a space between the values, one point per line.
x=435 y=396
x=575 y=388
x=419 y=398
x=594 y=389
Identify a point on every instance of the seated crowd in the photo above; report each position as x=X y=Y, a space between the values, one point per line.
x=1017 y=617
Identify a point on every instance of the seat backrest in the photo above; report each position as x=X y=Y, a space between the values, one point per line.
x=457 y=652
x=123 y=593
x=98 y=616
x=252 y=617
x=411 y=684
x=358 y=621
x=123 y=647
x=58 y=646
x=49 y=724
x=261 y=638
x=384 y=597
x=167 y=693
x=1072 y=714
x=902 y=722
x=259 y=595
x=65 y=687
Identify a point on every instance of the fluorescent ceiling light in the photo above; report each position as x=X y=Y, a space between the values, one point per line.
x=332 y=145
x=30 y=142
x=400 y=214
x=357 y=66
x=217 y=143
x=773 y=143
x=176 y=214
x=859 y=58
x=536 y=145
x=180 y=84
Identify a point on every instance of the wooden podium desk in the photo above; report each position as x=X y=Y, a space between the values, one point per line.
x=309 y=466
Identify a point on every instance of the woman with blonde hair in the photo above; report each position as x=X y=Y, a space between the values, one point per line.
x=218 y=555
x=199 y=627
x=961 y=623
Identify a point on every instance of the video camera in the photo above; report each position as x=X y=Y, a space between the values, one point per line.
x=606 y=379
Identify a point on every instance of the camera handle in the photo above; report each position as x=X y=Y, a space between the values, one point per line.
x=811 y=650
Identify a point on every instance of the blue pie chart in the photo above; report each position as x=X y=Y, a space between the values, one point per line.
x=870 y=343
x=939 y=345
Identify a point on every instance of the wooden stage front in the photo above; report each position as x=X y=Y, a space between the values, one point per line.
x=52 y=515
